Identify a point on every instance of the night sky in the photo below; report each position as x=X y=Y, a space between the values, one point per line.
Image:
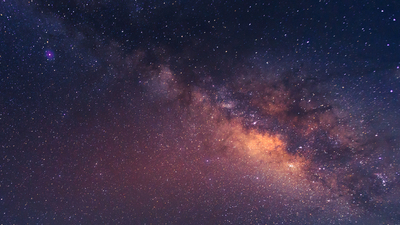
x=199 y=112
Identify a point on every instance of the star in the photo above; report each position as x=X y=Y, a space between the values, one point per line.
x=49 y=54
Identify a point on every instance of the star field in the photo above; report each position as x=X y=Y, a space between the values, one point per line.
x=199 y=112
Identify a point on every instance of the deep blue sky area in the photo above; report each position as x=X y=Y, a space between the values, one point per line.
x=199 y=112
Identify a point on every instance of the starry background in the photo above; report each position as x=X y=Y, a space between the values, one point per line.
x=199 y=112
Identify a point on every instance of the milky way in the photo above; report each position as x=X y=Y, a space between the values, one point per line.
x=209 y=112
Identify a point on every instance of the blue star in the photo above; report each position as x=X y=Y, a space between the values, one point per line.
x=49 y=55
